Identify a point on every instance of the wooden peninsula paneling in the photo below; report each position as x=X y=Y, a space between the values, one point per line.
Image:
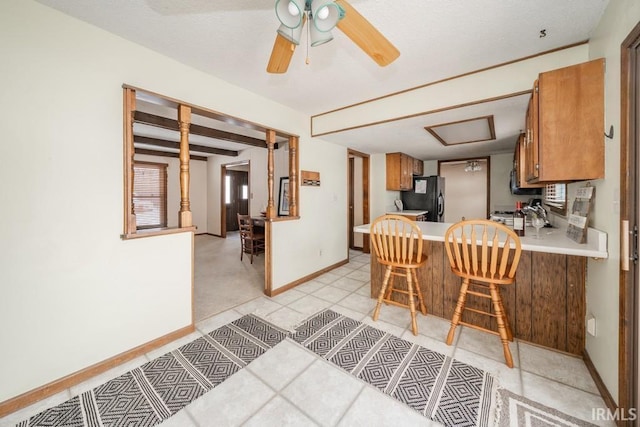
x=545 y=306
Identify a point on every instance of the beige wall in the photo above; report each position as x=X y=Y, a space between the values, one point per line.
x=70 y=284
x=465 y=192
x=602 y=280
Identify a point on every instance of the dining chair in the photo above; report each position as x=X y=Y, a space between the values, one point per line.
x=251 y=243
x=485 y=254
x=397 y=243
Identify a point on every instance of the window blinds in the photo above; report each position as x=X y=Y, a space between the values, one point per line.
x=555 y=195
x=150 y=194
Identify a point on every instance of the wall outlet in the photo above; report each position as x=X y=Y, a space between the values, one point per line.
x=591 y=325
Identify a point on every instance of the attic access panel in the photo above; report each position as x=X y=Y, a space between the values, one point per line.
x=464 y=131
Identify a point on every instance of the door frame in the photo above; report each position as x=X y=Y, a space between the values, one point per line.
x=223 y=193
x=365 y=197
x=629 y=210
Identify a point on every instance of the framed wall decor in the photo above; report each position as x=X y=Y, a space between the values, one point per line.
x=283 y=197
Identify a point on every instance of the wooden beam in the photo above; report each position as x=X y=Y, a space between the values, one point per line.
x=171 y=124
x=166 y=154
x=176 y=145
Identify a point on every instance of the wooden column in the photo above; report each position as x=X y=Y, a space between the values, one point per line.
x=184 y=119
x=271 y=140
x=293 y=176
x=129 y=152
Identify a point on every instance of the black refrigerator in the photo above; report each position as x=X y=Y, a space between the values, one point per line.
x=427 y=194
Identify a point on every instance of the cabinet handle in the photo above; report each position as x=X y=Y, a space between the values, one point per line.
x=625 y=245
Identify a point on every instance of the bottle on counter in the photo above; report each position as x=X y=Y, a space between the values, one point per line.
x=518 y=220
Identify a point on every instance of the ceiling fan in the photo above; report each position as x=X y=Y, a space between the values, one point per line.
x=323 y=16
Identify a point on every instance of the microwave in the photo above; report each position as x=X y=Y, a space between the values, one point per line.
x=515 y=190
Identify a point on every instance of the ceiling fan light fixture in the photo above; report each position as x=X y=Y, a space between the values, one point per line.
x=290 y=12
x=291 y=34
x=319 y=37
x=326 y=14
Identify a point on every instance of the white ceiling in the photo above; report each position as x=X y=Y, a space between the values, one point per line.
x=232 y=39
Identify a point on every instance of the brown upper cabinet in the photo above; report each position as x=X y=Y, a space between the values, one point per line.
x=400 y=170
x=564 y=140
x=519 y=159
x=418 y=167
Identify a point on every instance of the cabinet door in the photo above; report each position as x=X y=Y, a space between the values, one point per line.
x=571 y=122
x=531 y=143
x=520 y=164
x=393 y=171
x=406 y=167
x=418 y=167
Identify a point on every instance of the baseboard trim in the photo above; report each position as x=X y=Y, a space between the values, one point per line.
x=214 y=235
x=304 y=279
x=35 y=395
x=604 y=392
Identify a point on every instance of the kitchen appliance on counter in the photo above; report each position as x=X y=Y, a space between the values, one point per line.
x=427 y=194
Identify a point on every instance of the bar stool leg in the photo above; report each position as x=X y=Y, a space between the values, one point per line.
x=387 y=296
x=500 y=317
x=385 y=282
x=507 y=325
x=423 y=307
x=412 y=304
x=457 y=314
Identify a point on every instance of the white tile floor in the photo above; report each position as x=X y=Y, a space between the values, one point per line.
x=289 y=386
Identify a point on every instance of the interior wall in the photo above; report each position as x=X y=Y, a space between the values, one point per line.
x=465 y=192
x=602 y=280
x=488 y=84
x=197 y=189
x=70 y=284
x=319 y=238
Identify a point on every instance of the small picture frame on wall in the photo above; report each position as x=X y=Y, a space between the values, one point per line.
x=283 y=197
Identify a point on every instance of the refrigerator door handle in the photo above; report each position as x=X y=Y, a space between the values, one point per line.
x=440 y=206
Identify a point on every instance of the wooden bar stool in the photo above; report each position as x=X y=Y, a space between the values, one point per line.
x=484 y=254
x=397 y=242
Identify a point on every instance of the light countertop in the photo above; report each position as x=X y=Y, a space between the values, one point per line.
x=553 y=240
x=408 y=212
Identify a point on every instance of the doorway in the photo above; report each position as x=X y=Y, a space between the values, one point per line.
x=629 y=356
x=467 y=188
x=357 y=198
x=235 y=193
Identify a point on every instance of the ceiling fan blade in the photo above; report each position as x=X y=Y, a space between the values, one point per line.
x=280 y=55
x=366 y=36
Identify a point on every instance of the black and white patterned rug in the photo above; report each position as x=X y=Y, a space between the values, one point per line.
x=158 y=389
x=515 y=410
x=437 y=386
